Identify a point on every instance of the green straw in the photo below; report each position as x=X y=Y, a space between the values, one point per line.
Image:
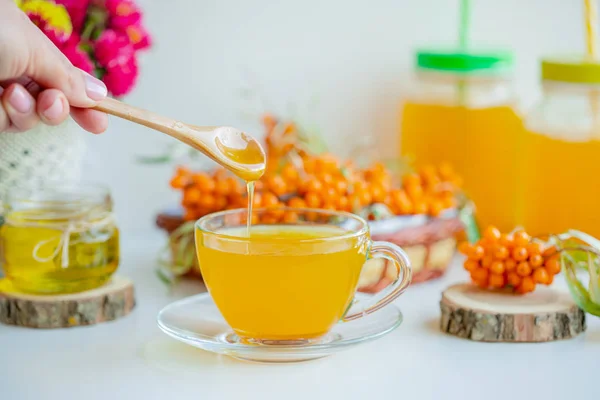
x=463 y=33
x=463 y=38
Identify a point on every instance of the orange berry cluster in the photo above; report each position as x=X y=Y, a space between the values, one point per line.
x=323 y=183
x=514 y=260
x=204 y=193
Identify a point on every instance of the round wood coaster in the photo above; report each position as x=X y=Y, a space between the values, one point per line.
x=106 y=303
x=496 y=316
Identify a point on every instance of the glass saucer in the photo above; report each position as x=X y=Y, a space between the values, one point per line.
x=197 y=321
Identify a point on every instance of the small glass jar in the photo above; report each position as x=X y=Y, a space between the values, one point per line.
x=58 y=239
x=560 y=173
x=463 y=112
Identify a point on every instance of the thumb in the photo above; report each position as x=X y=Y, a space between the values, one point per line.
x=52 y=70
x=49 y=68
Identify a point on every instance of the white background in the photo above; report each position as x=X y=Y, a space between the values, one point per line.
x=353 y=57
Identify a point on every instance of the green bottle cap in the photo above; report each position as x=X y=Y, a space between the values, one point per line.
x=464 y=62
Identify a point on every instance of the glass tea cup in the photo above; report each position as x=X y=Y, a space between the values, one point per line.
x=290 y=282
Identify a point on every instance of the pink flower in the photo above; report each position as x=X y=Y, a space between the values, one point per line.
x=122 y=13
x=113 y=48
x=138 y=36
x=56 y=36
x=77 y=10
x=79 y=58
x=121 y=78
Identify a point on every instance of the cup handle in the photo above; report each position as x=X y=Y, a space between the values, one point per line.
x=396 y=288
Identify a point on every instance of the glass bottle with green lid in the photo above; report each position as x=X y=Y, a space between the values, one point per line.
x=560 y=149
x=462 y=111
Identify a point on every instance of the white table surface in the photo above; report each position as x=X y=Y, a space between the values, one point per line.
x=131 y=359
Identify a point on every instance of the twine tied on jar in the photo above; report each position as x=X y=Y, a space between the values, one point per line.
x=101 y=220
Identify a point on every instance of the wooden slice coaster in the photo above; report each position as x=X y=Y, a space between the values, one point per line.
x=494 y=316
x=109 y=302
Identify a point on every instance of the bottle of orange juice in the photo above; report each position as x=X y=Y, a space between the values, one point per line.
x=560 y=152
x=463 y=112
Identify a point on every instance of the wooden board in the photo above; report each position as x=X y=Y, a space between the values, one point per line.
x=109 y=302
x=500 y=316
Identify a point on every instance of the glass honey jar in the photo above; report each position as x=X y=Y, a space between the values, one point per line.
x=58 y=239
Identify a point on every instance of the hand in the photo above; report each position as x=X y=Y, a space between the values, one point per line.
x=38 y=83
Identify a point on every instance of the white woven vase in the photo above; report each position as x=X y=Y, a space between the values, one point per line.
x=45 y=154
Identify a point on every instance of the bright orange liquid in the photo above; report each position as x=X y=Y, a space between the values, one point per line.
x=561 y=185
x=479 y=143
x=277 y=288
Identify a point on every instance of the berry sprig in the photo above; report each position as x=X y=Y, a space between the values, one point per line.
x=514 y=260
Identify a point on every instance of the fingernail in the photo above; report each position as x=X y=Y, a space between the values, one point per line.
x=20 y=100
x=95 y=88
x=55 y=110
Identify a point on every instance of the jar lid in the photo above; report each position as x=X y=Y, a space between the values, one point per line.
x=464 y=62
x=571 y=70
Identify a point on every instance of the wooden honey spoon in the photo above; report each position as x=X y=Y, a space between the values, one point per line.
x=235 y=150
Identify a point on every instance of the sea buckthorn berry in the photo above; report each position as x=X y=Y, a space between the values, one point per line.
x=527 y=285
x=480 y=273
x=329 y=195
x=513 y=279
x=313 y=200
x=435 y=208
x=507 y=241
x=520 y=253
x=207 y=201
x=313 y=185
x=492 y=233
x=464 y=248
x=359 y=186
x=497 y=267
x=536 y=260
x=341 y=185
x=534 y=248
x=269 y=200
x=222 y=188
x=549 y=251
x=553 y=265
x=364 y=198
x=343 y=203
x=510 y=264
x=482 y=283
x=296 y=202
x=277 y=185
x=415 y=192
x=377 y=193
x=326 y=179
x=521 y=238
x=500 y=252
x=204 y=182
x=309 y=165
x=179 y=182
x=289 y=173
x=411 y=180
x=523 y=269
x=191 y=196
x=220 y=203
x=289 y=217
x=476 y=253
x=419 y=207
x=471 y=265
x=487 y=261
x=541 y=275
x=402 y=201
x=496 y=280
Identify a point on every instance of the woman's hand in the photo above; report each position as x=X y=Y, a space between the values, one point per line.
x=38 y=83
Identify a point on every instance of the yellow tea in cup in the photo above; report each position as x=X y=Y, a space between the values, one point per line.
x=288 y=282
